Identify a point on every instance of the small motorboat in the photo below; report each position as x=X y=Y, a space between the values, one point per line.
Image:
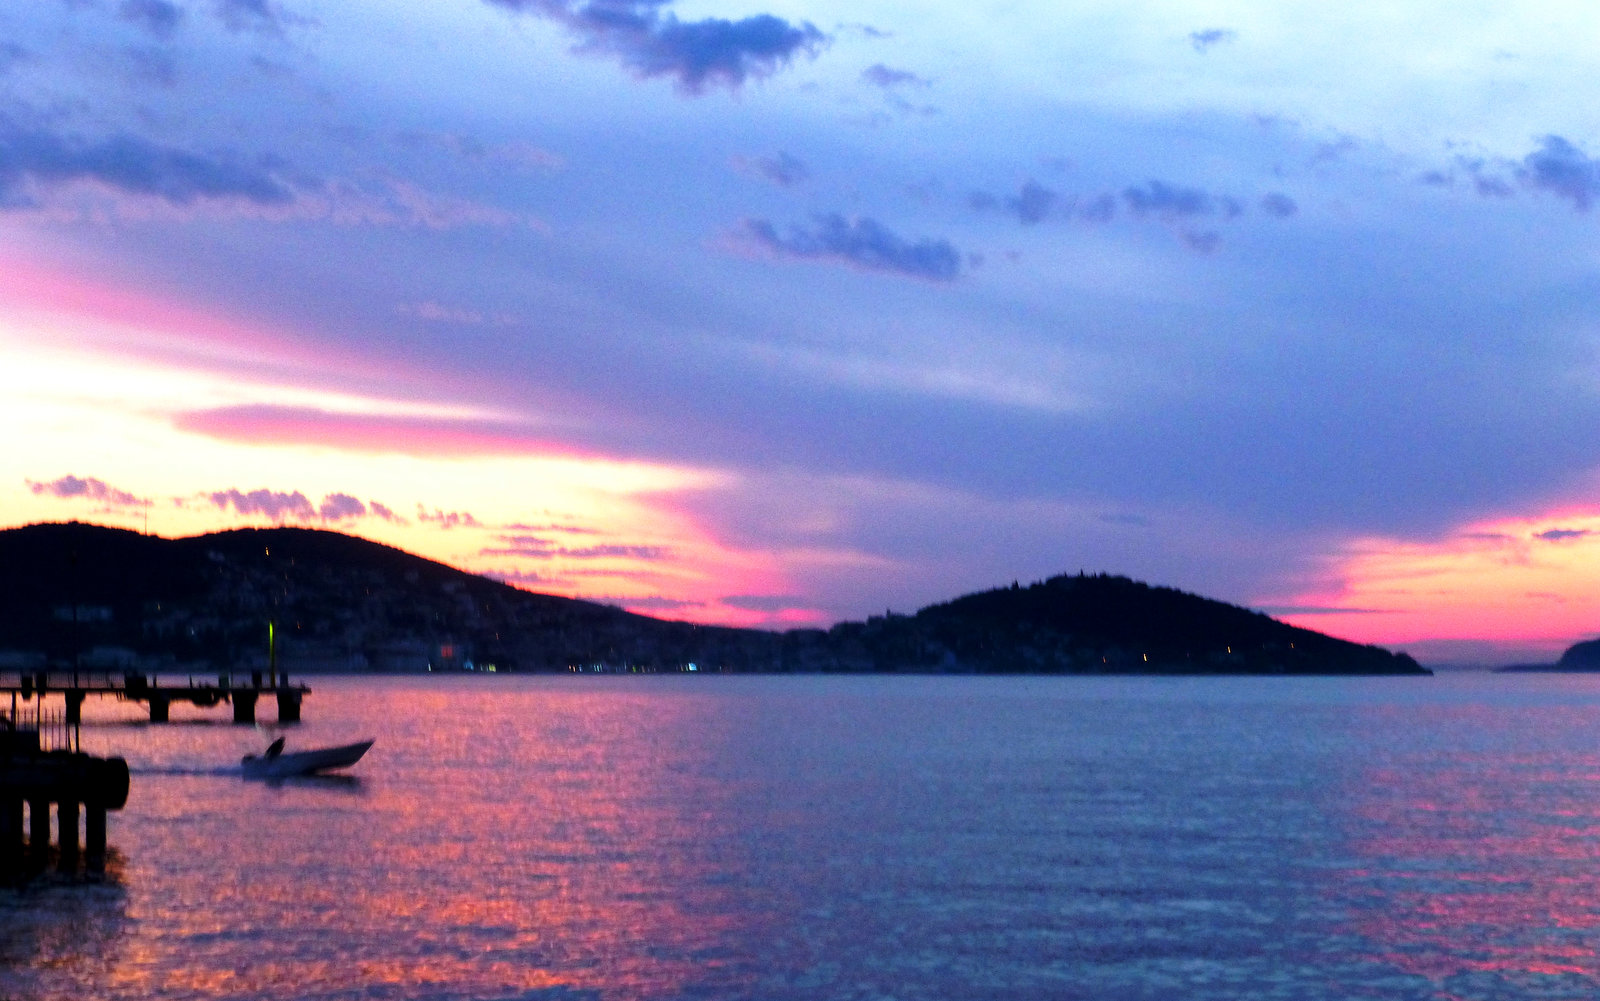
x=278 y=764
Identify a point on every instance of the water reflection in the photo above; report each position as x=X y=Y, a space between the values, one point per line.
x=59 y=939
x=1478 y=868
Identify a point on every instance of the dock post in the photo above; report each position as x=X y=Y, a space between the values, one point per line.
x=74 y=706
x=244 y=705
x=94 y=837
x=158 y=708
x=10 y=838
x=67 y=834
x=288 y=705
x=38 y=831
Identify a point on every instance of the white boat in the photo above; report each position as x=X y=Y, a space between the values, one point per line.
x=276 y=764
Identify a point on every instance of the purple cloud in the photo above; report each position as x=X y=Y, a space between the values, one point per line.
x=1562 y=534
x=89 y=488
x=653 y=602
x=127 y=164
x=880 y=75
x=693 y=53
x=339 y=507
x=268 y=503
x=1278 y=205
x=861 y=243
x=763 y=602
x=447 y=519
x=1168 y=201
x=1203 y=41
x=1563 y=170
x=159 y=17
x=782 y=169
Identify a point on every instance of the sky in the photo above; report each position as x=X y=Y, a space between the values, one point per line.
x=781 y=313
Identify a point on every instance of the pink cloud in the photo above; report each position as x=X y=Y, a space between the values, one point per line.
x=426 y=437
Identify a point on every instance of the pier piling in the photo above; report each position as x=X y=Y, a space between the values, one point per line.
x=10 y=837
x=94 y=837
x=244 y=705
x=67 y=835
x=159 y=708
x=74 y=698
x=288 y=705
x=38 y=830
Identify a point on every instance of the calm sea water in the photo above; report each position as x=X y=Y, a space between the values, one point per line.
x=852 y=838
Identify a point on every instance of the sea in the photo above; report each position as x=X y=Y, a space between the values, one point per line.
x=584 y=838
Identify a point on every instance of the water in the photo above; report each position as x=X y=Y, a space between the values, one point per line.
x=852 y=838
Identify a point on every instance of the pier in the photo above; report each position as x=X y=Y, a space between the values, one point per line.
x=41 y=768
x=242 y=694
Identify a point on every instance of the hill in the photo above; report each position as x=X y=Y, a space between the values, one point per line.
x=112 y=598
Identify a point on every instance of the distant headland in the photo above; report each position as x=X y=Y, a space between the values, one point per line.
x=1577 y=659
x=110 y=599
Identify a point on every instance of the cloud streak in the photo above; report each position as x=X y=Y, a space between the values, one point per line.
x=861 y=243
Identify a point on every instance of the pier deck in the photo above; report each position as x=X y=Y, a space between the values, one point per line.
x=75 y=687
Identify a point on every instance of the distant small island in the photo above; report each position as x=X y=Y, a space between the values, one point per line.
x=1577 y=659
x=107 y=598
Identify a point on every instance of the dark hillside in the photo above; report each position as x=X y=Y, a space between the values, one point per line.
x=119 y=599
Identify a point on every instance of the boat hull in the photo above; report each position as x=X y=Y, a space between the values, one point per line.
x=293 y=763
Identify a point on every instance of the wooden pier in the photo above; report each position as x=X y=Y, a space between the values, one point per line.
x=74 y=687
x=35 y=777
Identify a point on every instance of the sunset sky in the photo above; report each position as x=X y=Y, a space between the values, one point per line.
x=777 y=313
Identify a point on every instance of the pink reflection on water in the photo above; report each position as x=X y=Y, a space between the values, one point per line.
x=1479 y=862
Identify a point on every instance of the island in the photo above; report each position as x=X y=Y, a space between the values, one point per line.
x=99 y=598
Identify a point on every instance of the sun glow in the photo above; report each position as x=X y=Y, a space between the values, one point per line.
x=1532 y=581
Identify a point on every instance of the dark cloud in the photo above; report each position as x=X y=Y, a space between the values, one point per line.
x=1562 y=534
x=1278 y=205
x=150 y=66
x=159 y=17
x=128 y=164
x=261 y=16
x=1204 y=40
x=1563 y=170
x=1168 y=201
x=884 y=76
x=1202 y=241
x=447 y=519
x=693 y=53
x=1032 y=204
x=764 y=602
x=781 y=169
x=12 y=54
x=862 y=243
x=90 y=488
x=1100 y=208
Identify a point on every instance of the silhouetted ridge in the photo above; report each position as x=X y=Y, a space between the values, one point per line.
x=70 y=592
